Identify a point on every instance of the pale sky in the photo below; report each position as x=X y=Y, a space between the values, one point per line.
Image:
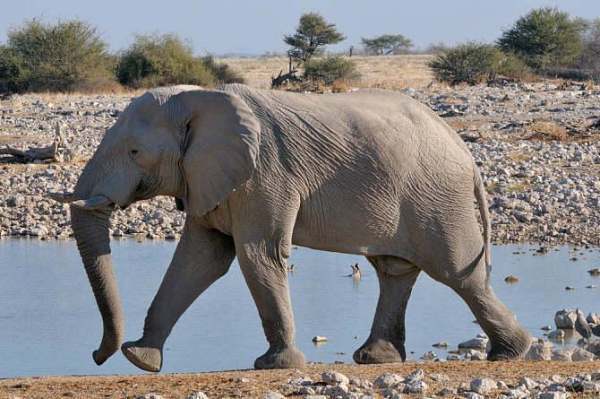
x=257 y=26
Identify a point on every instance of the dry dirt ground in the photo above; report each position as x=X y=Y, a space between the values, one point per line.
x=386 y=72
x=255 y=384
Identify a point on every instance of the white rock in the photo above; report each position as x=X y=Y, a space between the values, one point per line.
x=416 y=387
x=581 y=355
x=479 y=343
x=483 y=385
x=416 y=375
x=540 y=351
x=472 y=395
x=333 y=377
x=197 y=395
x=565 y=319
x=562 y=355
x=388 y=380
x=528 y=383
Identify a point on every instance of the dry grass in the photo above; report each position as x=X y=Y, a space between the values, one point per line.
x=389 y=72
x=547 y=130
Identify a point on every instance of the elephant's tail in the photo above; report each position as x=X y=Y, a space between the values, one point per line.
x=481 y=197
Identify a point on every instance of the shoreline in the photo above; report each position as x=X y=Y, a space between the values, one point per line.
x=456 y=377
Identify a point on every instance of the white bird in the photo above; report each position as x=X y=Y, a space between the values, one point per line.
x=356 y=275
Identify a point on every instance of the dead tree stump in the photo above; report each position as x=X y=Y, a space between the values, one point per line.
x=58 y=151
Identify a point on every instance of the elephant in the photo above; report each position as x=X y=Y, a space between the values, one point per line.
x=371 y=172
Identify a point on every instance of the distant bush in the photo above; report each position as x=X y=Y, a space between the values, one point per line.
x=545 y=38
x=470 y=63
x=329 y=69
x=161 y=60
x=387 y=44
x=12 y=72
x=511 y=66
x=53 y=57
x=222 y=72
x=590 y=56
x=474 y=63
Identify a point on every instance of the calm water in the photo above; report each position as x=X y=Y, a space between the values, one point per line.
x=49 y=323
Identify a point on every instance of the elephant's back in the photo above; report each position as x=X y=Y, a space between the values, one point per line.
x=378 y=115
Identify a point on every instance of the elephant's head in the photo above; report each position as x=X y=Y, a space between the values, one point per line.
x=193 y=144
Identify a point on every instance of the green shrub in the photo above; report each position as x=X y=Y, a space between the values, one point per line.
x=161 y=60
x=53 y=57
x=12 y=71
x=221 y=71
x=545 y=38
x=590 y=56
x=470 y=63
x=511 y=66
x=330 y=69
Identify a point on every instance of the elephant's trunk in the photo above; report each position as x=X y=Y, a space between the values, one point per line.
x=91 y=232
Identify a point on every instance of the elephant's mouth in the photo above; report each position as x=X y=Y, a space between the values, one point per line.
x=145 y=189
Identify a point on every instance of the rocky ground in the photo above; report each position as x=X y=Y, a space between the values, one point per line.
x=536 y=144
x=474 y=380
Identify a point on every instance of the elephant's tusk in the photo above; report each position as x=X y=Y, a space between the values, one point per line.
x=95 y=202
x=65 y=198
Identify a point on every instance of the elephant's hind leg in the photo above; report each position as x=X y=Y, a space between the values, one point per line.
x=508 y=339
x=202 y=256
x=386 y=341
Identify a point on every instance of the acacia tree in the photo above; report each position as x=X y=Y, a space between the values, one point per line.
x=546 y=37
x=312 y=34
x=387 y=44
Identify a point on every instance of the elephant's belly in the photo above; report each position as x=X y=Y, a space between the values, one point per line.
x=351 y=227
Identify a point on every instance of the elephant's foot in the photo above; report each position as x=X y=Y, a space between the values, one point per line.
x=289 y=357
x=144 y=357
x=379 y=351
x=510 y=347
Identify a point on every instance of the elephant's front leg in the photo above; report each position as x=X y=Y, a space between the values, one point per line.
x=202 y=256
x=263 y=241
x=265 y=271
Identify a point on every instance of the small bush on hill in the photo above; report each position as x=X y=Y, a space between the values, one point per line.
x=161 y=60
x=53 y=57
x=330 y=69
x=545 y=38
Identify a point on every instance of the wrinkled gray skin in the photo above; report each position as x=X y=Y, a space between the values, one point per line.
x=371 y=173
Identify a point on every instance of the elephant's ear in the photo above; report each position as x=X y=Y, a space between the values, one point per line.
x=220 y=145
